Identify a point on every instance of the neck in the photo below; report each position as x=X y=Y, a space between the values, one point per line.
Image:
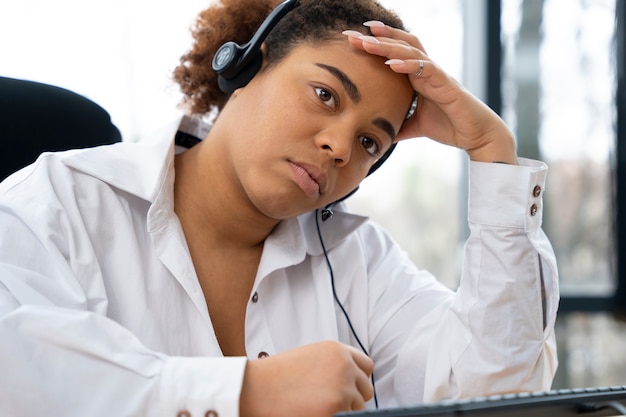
x=213 y=210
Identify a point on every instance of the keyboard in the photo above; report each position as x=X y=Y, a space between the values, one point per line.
x=593 y=402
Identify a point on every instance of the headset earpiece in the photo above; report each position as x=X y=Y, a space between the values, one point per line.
x=226 y=58
x=233 y=71
x=236 y=65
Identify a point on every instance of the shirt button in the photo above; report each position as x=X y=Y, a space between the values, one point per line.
x=211 y=413
x=183 y=413
x=262 y=355
x=255 y=297
x=533 y=210
x=536 y=191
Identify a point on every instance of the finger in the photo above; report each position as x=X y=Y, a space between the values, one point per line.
x=385 y=47
x=364 y=386
x=366 y=367
x=357 y=404
x=379 y=29
x=416 y=68
x=364 y=362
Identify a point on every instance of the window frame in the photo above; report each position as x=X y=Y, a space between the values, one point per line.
x=617 y=303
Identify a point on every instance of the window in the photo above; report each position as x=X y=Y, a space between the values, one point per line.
x=558 y=89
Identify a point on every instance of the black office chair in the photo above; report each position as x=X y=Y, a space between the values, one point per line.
x=36 y=117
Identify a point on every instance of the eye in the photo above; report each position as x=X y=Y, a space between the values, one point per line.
x=326 y=97
x=370 y=145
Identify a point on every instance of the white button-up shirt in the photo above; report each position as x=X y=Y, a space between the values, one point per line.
x=101 y=312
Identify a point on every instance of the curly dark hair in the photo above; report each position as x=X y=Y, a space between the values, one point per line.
x=312 y=22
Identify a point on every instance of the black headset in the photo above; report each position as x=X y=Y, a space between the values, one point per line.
x=235 y=64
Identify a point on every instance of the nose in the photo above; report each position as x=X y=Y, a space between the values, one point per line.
x=337 y=144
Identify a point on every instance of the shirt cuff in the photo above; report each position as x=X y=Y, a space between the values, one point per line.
x=199 y=385
x=504 y=195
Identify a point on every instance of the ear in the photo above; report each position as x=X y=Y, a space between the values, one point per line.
x=264 y=53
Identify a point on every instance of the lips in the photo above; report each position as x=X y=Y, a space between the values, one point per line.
x=309 y=178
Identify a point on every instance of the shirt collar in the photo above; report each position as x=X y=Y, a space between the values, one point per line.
x=139 y=168
x=294 y=238
x=331 y=232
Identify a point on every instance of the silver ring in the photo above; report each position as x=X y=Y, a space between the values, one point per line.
x=419 y=72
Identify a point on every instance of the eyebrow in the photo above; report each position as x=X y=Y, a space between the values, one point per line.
x=355 y=95
x=348 y=85
x=386 y=126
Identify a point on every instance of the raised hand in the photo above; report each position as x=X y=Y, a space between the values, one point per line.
x=446 y=112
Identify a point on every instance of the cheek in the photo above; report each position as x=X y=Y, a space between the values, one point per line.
x=347 y=181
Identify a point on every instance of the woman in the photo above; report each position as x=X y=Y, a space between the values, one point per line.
x=137 y=280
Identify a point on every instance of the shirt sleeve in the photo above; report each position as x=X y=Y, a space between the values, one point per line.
x=61 y=355
x=83 y=364
x=495 y=334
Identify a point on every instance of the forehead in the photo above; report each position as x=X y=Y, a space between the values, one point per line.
x=376 y=82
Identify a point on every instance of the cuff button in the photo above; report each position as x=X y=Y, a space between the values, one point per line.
x=536 y=191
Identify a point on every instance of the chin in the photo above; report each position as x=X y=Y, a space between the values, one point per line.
x=282 y=214
x=279 y=209
x=287 y=206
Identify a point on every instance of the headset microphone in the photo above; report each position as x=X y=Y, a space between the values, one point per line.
x=327 y=211
x=236 y=65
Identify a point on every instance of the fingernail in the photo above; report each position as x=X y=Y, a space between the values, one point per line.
x=353 y=34
x=374 y=24
x=394 y=62
x=370 y=39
